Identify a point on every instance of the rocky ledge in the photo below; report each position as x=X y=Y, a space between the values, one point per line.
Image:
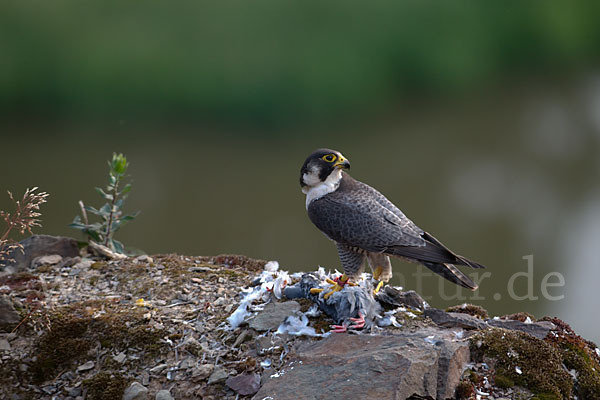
x=77 y=326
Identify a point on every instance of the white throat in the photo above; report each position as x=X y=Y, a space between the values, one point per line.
x=319 y=189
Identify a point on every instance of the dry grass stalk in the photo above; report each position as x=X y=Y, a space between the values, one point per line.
x=24 y=218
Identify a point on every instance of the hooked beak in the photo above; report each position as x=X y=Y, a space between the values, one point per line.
x=342 y=163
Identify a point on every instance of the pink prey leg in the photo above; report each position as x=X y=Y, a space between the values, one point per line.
x=358 y=323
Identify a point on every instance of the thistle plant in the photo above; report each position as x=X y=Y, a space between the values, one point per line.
x=23 y=219
x=111 y=215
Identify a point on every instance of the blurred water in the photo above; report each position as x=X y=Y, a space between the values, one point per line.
x=496 y=179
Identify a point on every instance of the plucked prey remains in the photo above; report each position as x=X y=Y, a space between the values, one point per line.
x=364 y=224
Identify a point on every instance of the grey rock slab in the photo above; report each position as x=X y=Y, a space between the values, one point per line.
x=4 y=345
x=69 y=262
x=164 y=395
x=203 y=371
x=8 y=314
x=145 y=378
x=83 y=264
x=427 y=363
x=273 y=315
x=144 y=258
x=219 y=375
x=135 y=391
x=120 y=358
x=86 y=367
x=244 y=384
x=49 y=389
x=187 y=363
x=454 y=356
x=536 y=329
x=246 y=334
x=51 y=259
x=454 y=320
x=41 y=245
x=466 y=321
x=158 y=369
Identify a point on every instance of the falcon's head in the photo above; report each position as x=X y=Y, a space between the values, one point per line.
x=322 y=166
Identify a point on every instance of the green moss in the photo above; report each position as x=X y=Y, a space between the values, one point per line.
x=540 y=364
x=59 y=347
x=470 y=309
x=474 y=377
x=588 y=371
x=72 y=332
x=579 y=355
x=104 y=386
x=503 y=382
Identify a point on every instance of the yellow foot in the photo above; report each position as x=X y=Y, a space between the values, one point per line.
x=379 y=286
x=338 y=284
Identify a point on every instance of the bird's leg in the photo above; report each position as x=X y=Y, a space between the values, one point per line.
x=382 y=269
x=377 y=272
x=338 y=284
x=358 y=323
x=378 y=287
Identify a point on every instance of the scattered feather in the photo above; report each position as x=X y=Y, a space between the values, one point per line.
x=298 y=326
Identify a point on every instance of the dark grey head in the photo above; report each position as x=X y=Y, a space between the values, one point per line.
x=319 y=166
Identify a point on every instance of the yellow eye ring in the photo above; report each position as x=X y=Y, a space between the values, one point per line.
x=329 y=158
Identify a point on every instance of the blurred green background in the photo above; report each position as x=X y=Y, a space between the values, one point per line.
x=480 y=120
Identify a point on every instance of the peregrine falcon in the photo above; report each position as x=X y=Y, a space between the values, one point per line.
x=363 y=223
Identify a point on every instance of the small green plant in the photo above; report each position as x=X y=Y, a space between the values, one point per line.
x=110 y=213
x=23 y=219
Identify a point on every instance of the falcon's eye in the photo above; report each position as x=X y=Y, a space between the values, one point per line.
x=329 y=157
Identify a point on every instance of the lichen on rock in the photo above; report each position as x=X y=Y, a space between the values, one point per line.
x=523 y=359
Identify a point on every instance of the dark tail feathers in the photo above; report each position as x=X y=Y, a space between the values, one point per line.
x=461 y=260
x=453 y=274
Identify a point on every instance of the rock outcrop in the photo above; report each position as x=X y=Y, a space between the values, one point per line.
x=427 y=362
x=38 y=246
x=161 y=327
